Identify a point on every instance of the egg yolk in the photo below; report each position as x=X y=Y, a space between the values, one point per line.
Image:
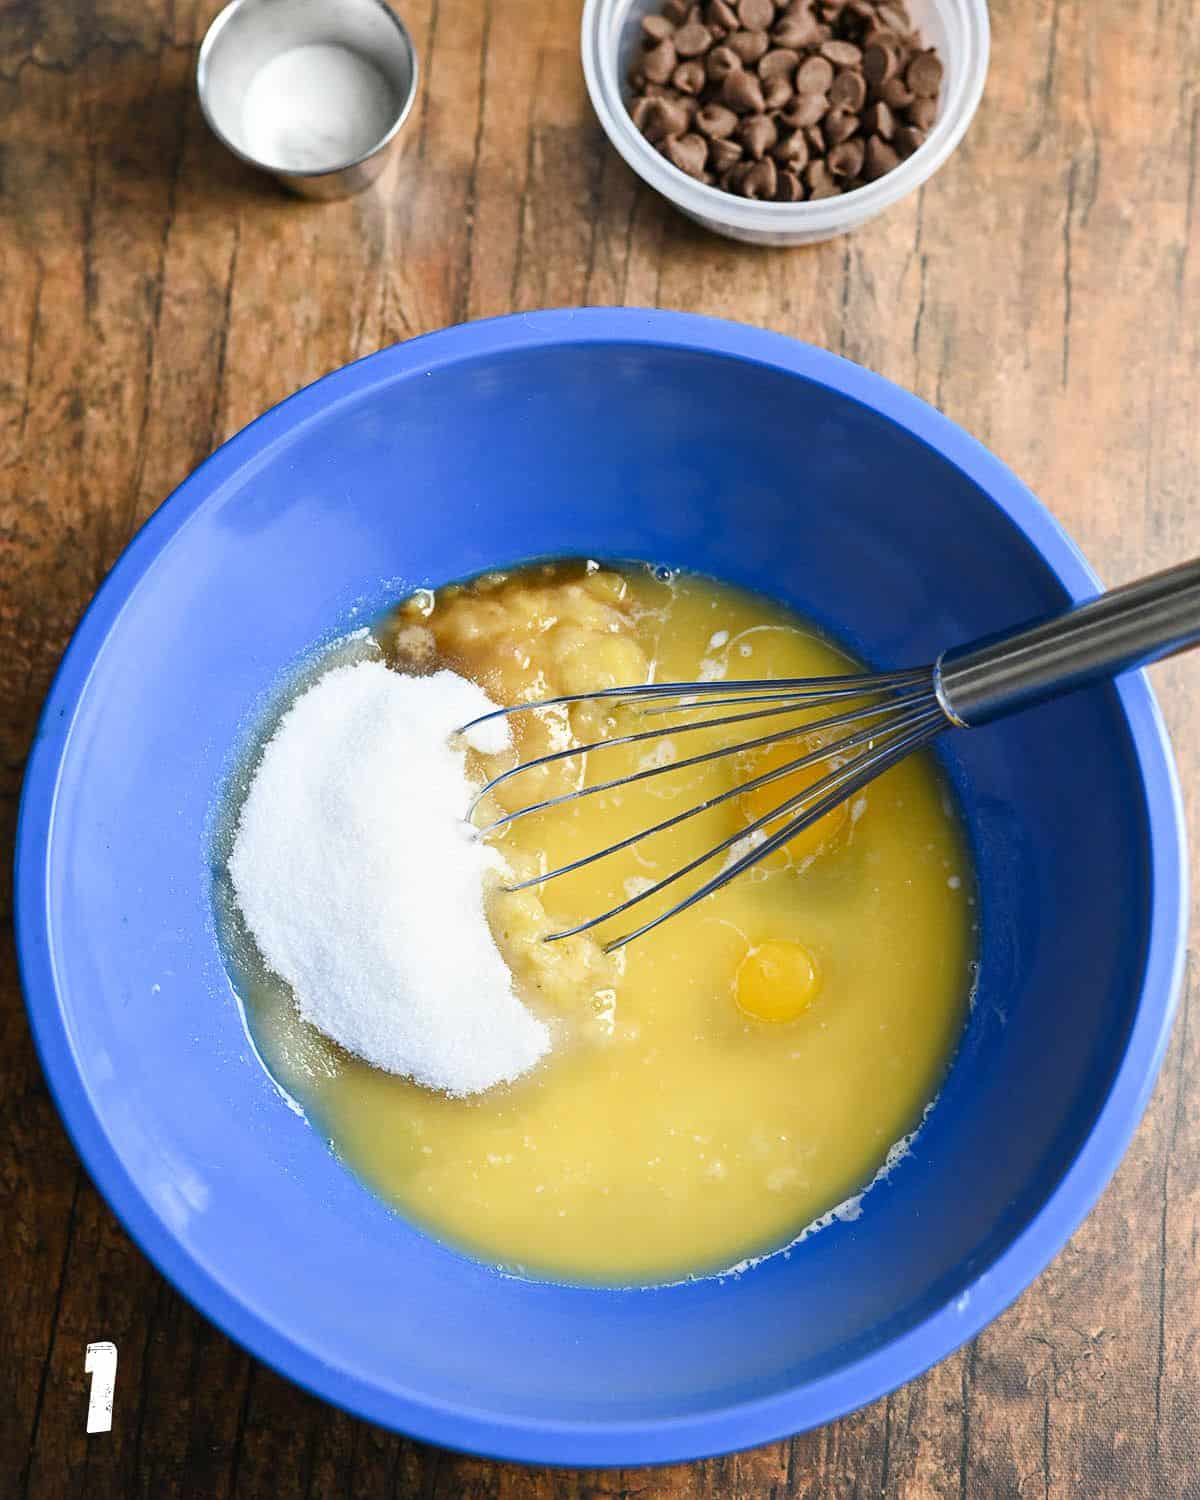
x=777 y=981
x=762 y=800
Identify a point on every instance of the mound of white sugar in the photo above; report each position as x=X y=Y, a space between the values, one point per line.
x=363 y=888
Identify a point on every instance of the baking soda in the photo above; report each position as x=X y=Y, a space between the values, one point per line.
x=315 y=108
x=364 y=888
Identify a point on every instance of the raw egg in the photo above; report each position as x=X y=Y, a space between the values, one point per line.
x=759 y=801
x=776 y=981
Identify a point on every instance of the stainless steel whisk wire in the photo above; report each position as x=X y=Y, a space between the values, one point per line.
x=965 y=687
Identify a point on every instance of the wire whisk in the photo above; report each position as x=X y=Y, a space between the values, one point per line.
x=876 y=720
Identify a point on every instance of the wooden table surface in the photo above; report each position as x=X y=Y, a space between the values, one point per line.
x=1043 y=291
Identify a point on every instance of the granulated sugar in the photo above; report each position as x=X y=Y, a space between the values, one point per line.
x=362 y=885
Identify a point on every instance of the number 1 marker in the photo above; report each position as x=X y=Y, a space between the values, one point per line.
x=100 y=1362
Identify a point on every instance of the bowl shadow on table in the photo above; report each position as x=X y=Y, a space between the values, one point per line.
x=164 y=133
x=292 y=1443
x=141 y=125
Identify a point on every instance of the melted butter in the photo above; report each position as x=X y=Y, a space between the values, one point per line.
x=738 y=1072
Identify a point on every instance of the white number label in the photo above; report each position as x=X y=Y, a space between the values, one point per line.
x=100 y=1362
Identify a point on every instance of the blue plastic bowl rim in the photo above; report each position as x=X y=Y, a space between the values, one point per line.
x=624 y=1442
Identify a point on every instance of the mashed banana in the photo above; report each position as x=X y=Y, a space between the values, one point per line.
x=724 y=1081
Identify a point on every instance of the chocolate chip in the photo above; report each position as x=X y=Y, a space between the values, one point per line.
x=693 y=39
x=721 y=62
x=788 y=189
x=816 y=141
x=881 y=36
x=748 y=45
x=780 y=62
x=796 y=33
x=922 y=112
x=660 y=62
x=776 y=93
x=838 y=125
x=722 y=16
x=805 y=109
x=879 y=64
x=757 y=134
x=880 y=159
x=666 y=118
x=879 y=120
x=639 y=109
x=819 y=181
x=743 y=93
x=716 y=122
x=756 y=15
x=656 y=28
x=689 y=153
x=759 y=182
x=896 y=18
x=792 y=151
x=924 y=75
x=843 y=54
x=723 y=154
x=848 y=90
x=689 y=77
x=896 y=94
x=846 y=160
x=908 y=138
x=676 y=11
x=814 y=76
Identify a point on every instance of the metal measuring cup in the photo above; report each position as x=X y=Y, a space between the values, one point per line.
x=248 y=34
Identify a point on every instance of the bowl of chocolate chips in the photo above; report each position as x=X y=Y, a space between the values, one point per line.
x=783 y=122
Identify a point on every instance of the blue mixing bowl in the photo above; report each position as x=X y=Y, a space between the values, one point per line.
x=621 y=434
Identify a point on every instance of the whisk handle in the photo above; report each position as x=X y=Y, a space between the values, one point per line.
x=1124 y=628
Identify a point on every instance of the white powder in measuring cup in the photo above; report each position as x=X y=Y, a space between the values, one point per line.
x=364 y=889
x=315 y=108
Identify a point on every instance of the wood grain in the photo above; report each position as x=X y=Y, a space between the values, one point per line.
x=1043 y=291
